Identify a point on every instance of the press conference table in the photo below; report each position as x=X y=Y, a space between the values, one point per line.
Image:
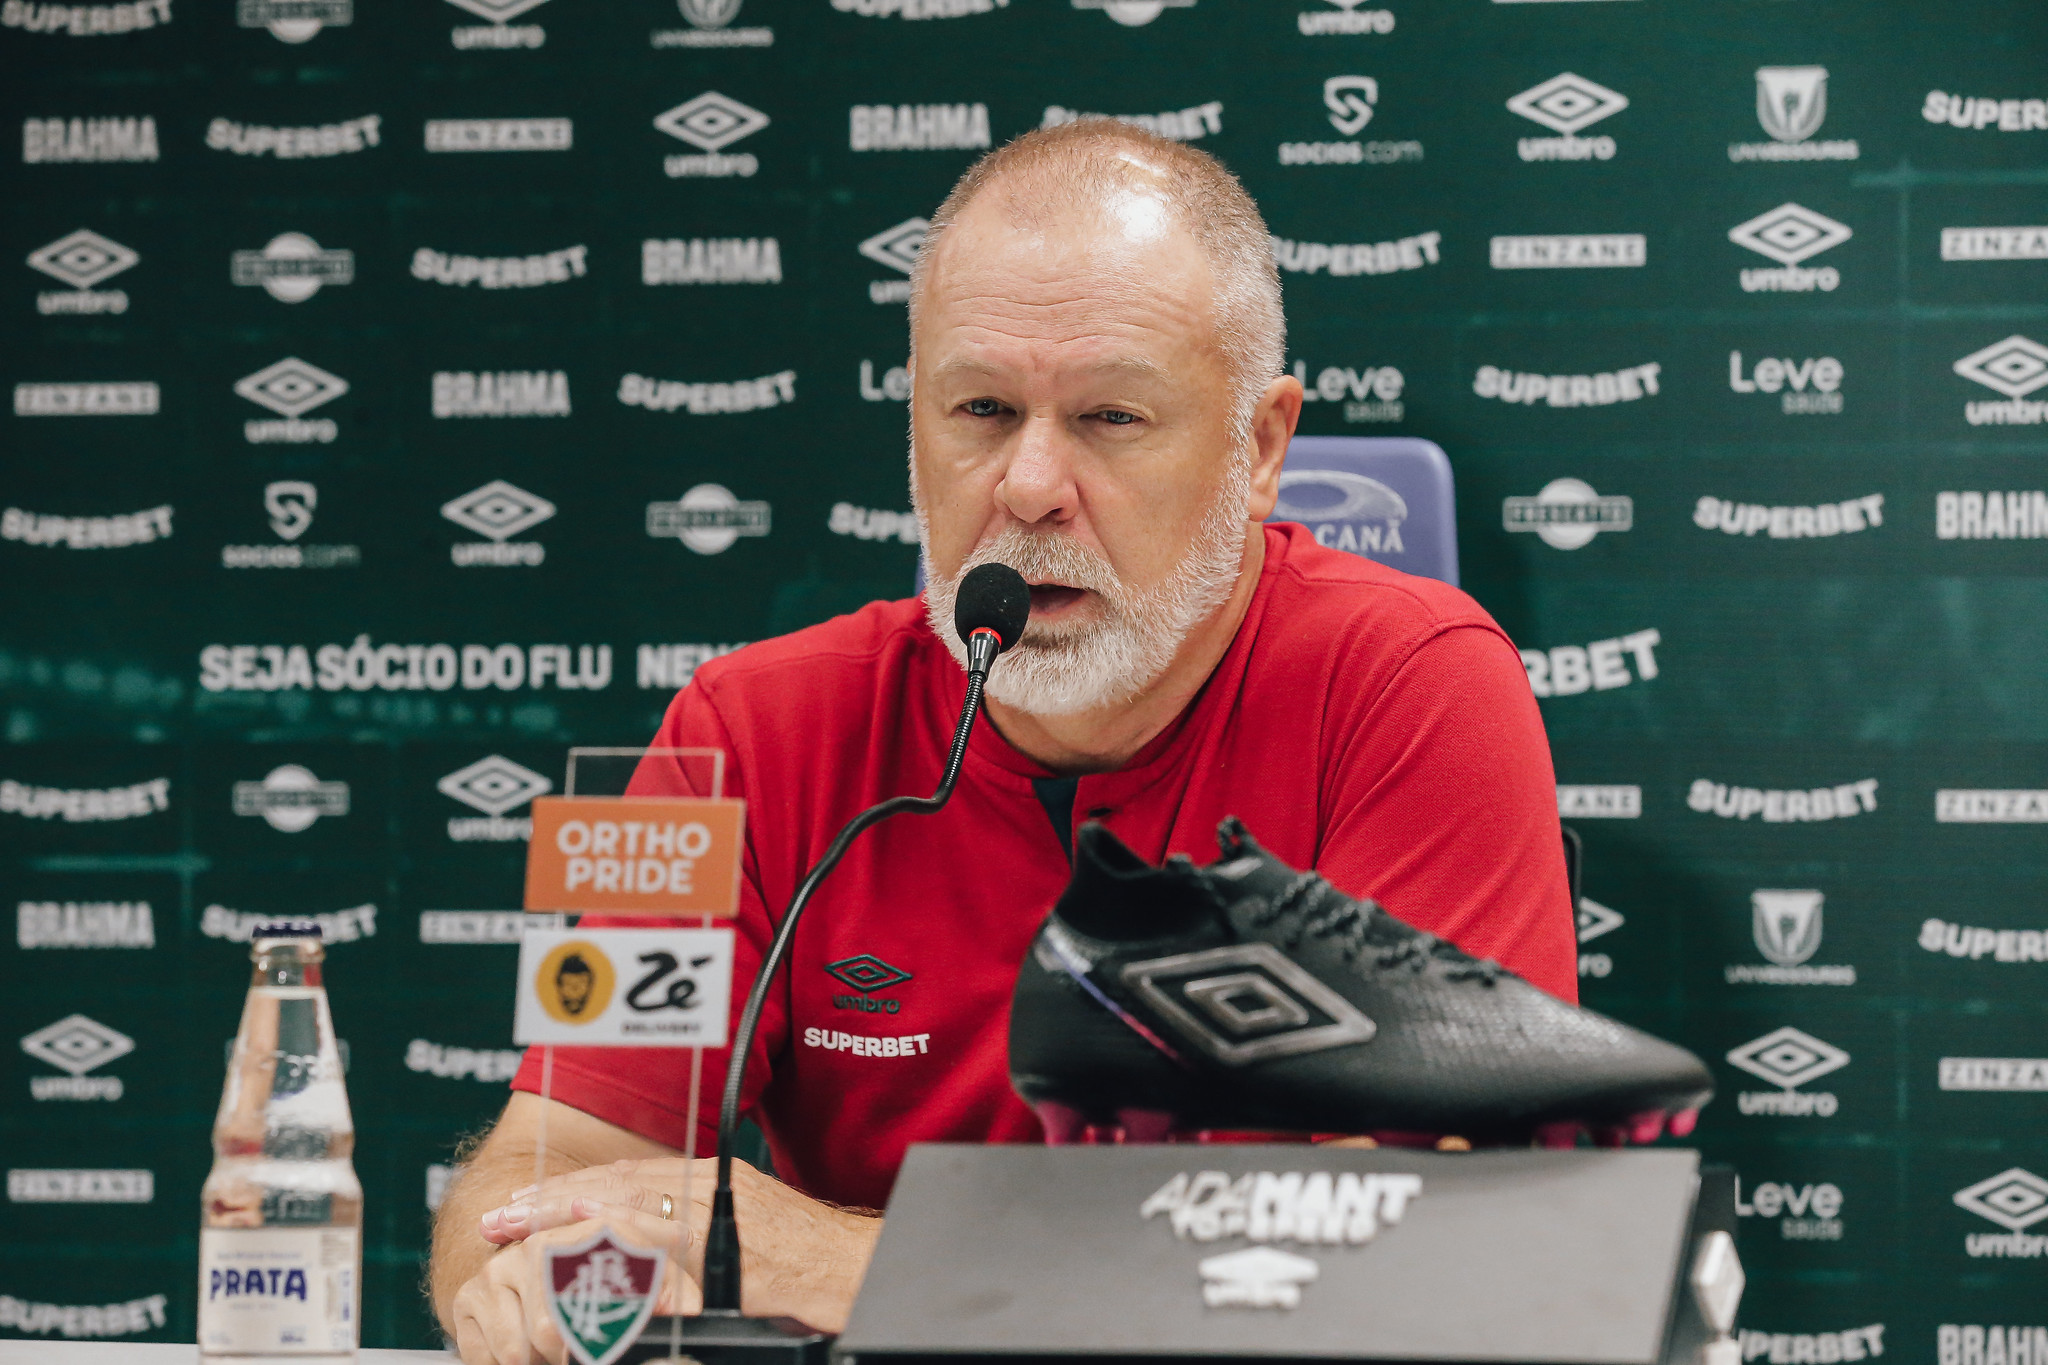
x=165 y=1353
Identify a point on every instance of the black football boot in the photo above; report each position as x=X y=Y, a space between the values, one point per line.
x=1248 y=996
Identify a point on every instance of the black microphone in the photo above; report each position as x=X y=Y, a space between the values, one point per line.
x=990 y=612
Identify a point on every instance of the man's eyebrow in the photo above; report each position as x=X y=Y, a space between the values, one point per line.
x=1134 y=365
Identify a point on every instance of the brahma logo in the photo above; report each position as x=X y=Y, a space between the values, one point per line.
x=1771 y=374
x=1791 y=104
x=1804 y=1213
x=1788 y=1059
x=504 y=393
x=1344 y=511
x=1134 y=13
x=295 y=21
x=291 y=798
x=2015 y=1199
x=82 y=259
x=917 y=127
x=1568 y=104
x=76 y=1045
x=498 y=32
x=2014 y=367
x=292 y=267
x=497 y=511
x=84 y=924
x=291 y=388
x=62 y=141
x=1789 y=234
x=709 y=27
x=1370 y=394
x=1316 y=1208
x=711 y=122
x=1568 y=670
x=1786 y=926
x=1973 y=1344
x=897 y=248
x=1346 y=18
x=496 y=786
x=711 y=260
x=1566 y=514
x=708 y=519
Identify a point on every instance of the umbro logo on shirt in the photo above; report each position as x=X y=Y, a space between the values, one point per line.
x=867 y=974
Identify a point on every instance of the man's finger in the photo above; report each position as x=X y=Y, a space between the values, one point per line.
x=517 y=1222
x=510 y=1342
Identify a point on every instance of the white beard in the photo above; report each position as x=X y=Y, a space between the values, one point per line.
x=1062 y=670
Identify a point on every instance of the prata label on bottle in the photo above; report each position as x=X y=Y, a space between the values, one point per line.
x=277 y=1291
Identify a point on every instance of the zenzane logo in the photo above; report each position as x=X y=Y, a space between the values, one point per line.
x=1994 y=244
x=1788 y=1059
x=1804 y=386
x=1791 y=104
x=1786 y=926
x=1566 y=514
x=1350 y=102
x=1804 y=1213
x=2014 y=367
x=82 y=259
x=1369 y=394
x=1567 y=104
x=1789 y=234
x=2015 y=1199
x=497 y=511
x=1568 y=670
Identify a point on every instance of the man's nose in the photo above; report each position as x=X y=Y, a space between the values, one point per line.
x=1038 y=482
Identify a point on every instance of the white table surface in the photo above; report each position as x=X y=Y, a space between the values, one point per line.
x=19 y=1352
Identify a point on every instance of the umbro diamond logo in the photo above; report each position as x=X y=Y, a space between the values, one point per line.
x=291 y=387
x=77 y=1044
x=1246 y=1002
x=494 y=785
x=82 y=259
x=1789 y=1058
x=866 y=973
x=711 y=122
x=2015 y=1199
x=2014 y=367
x=1789 y=233
x=498 y=510
x=897 y=247
x=1595 y=919
x=1567 y=103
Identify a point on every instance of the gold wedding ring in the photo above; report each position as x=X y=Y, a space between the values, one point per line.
x=668 y=1208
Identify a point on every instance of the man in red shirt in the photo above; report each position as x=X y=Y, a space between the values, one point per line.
x=1099 y=402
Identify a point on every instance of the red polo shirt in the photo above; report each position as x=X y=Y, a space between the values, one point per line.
x=1375 y=726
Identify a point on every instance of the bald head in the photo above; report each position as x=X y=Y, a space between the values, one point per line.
x=1117 y=202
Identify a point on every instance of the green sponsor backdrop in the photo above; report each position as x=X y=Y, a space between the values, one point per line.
x=145 y=681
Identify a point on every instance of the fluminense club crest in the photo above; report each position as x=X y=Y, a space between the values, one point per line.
x=600 y=1294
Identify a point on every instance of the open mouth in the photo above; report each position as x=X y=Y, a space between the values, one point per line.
x=1051 y=599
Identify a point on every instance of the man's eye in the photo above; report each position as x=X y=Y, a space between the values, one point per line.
x=983 y=407
x=1117 y=418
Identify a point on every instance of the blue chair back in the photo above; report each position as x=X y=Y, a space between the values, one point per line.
x=1387 y=498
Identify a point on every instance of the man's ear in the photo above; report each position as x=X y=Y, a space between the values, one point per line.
x=1273 y=423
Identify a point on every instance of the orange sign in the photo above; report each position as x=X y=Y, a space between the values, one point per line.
x=635 y=855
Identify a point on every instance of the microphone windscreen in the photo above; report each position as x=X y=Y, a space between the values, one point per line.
x=994 y=596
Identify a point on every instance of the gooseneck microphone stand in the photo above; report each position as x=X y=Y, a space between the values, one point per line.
x=990 y=613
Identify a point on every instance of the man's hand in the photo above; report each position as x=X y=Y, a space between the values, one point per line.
x=500 y=1317
x=799 y=1258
